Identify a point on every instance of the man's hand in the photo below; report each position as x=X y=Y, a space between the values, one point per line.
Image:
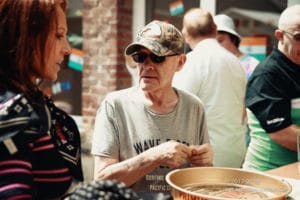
x=171 y=154
x=201 y=155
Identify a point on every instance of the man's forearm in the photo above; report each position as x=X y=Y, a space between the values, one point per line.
x=129 y=171
x=286 y=137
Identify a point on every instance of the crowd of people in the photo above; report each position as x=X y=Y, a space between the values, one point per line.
x=186 y=110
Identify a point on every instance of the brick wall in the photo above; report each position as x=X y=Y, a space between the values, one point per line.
x=106 y=33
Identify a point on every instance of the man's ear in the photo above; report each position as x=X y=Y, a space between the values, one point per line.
x=278 y=34
x=181 y=62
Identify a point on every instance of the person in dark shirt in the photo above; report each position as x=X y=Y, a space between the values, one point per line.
x=39 y=143
x=273 y=97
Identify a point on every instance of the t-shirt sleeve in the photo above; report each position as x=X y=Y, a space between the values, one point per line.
x=266 y=97
x=204 y=138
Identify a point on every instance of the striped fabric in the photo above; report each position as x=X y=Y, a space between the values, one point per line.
x=31 y=165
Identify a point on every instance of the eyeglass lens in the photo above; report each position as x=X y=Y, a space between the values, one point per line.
x=296 y=36
x=141 y=57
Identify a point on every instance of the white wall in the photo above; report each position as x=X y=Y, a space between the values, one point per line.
x=139 y=16
x=293 y=2
x=209 y=5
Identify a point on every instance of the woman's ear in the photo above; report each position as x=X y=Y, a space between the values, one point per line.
x=181 y=61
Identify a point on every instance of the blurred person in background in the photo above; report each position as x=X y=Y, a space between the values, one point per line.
x=230 y=40
x=216 y=76
x=39 y=143
x=272 y=99
x=143 y=132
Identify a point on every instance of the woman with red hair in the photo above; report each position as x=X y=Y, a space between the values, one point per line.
x=39 y=143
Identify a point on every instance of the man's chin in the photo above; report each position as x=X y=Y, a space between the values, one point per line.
x=146 y=87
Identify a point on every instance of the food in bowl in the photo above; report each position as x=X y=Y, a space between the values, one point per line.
x=233 y=191
x=203 y=183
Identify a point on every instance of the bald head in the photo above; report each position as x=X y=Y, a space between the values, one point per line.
x=290 y=18
x=288 y=27
x=199 y=22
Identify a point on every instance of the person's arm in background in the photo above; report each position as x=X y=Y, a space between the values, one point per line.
x=274 y=106
x=286 y=137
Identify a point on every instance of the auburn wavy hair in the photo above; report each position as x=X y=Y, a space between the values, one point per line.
x=24 y=29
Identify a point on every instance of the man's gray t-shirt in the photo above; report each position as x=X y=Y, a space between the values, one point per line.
x=125 y=127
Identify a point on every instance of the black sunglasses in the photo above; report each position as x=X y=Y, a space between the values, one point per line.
x=140 y=57
x=295 y=36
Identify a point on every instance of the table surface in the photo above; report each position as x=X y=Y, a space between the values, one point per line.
x=287 y=171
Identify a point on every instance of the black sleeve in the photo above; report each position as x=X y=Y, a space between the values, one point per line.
x=16 y=177
x=267 y=98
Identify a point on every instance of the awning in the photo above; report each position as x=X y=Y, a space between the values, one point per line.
x=269 y=18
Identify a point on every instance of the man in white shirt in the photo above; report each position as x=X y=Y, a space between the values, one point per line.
x=216 y=76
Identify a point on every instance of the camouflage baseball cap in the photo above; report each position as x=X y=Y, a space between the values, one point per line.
x=161 y=38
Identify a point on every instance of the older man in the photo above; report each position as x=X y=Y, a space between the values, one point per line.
x=142 y=132
x=272 y=99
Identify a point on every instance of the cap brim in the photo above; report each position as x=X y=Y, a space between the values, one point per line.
x=229 y=31
x=152 y=45
x=133 y=47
